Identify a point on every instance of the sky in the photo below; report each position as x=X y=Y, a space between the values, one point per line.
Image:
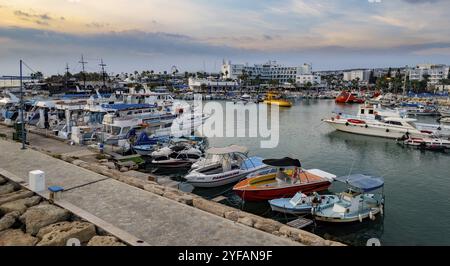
x=196 y=35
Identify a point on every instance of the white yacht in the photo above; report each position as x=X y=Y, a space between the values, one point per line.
x=373 y=122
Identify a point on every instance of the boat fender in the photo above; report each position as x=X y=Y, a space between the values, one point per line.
x=338 y=117
x=366 y=126
x=439 y=128
x=387 y=129
x=371 y=216
x=360 y=217
x=346 y=124
x=381 y=209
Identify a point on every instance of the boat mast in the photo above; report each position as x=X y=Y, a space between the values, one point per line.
x=82 y=62
x=102 y=65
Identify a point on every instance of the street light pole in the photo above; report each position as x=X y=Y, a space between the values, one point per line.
x=22 y=108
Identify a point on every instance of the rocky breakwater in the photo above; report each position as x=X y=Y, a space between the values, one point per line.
x=27 y=219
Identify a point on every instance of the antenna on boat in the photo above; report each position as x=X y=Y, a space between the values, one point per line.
x=82 y=62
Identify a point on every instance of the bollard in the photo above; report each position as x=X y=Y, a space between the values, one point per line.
x=36 y=180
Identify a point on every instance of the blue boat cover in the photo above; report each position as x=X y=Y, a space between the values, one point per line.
x=126 y=106
x=143 y=139
x=252 y=162
x=363 y=182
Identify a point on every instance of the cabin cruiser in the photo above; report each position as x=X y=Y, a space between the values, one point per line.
x=359 y=202
x=439 y=144
x=372 y=121
x=223 y=166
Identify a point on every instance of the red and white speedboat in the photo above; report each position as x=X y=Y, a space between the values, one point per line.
x=347 y=97
x=283 y=183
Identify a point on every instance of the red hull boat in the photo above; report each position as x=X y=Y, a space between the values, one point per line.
x=347 y=97
x=283 y=183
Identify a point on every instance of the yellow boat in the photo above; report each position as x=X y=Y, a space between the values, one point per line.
x=274 y=98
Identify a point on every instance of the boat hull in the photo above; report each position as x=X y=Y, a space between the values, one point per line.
x=279 y=103
x=348 y=218
x=370 y=130
x=264 y=194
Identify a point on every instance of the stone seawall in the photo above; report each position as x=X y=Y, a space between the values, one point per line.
x=227 y=212
x=27 y=219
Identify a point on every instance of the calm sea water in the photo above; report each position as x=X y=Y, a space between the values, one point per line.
x=417 y=183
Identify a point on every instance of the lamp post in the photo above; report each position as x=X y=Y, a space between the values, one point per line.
x=22 y=108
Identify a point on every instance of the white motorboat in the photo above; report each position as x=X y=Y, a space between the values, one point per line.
x=301 y=203
x=224 y=166
x=176 y=156
x=361 y=201
x=371 y=121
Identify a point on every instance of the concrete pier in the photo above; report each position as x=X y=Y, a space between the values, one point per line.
x=144 y=215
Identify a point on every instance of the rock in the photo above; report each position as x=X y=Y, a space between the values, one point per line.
x=15 y=237
x=20 y=205
x=103 y=161
x=211 y=207
x=78 y=162
x=310 y=239
x=159 y=190
x=2 y=180
x=124 y=169
x=7 y=188
x=42 y=215
x=132 y=181
x=104 y=241
x=21 y=194
x=232 y=215
x=180 y=197
x=8 y=220
x=57 y=234
x=110 y=165
x=246 y=221
x=267 y=225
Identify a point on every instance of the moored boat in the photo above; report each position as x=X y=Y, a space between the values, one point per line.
x=359 y=202
x=348 y=97
x=274 y=98
x=224 y=166
x=302 y=203
x=283 y=183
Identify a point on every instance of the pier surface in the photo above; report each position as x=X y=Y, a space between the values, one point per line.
x=147 y=216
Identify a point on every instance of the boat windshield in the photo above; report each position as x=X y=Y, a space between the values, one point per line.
x=113 y=130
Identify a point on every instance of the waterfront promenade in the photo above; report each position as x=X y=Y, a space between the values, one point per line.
x=153 y=219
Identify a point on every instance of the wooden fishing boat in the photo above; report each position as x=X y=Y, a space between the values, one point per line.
x=284 y=183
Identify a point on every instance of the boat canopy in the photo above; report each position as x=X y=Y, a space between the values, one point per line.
x=285 y=162
x=363 y=182
x=227 y=150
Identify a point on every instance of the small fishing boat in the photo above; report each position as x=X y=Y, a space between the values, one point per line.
x=359 y=202
x=302 y=203
x=284 y=182
x=274 y=98
x=224 y=166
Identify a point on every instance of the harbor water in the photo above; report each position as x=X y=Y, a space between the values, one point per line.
x=416 y=182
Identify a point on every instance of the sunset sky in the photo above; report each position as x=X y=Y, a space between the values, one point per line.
x=197 y=34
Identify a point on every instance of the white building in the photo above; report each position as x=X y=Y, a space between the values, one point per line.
x=436 y=73
x=196 y=84
x=360 y=74
x=271 y=71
